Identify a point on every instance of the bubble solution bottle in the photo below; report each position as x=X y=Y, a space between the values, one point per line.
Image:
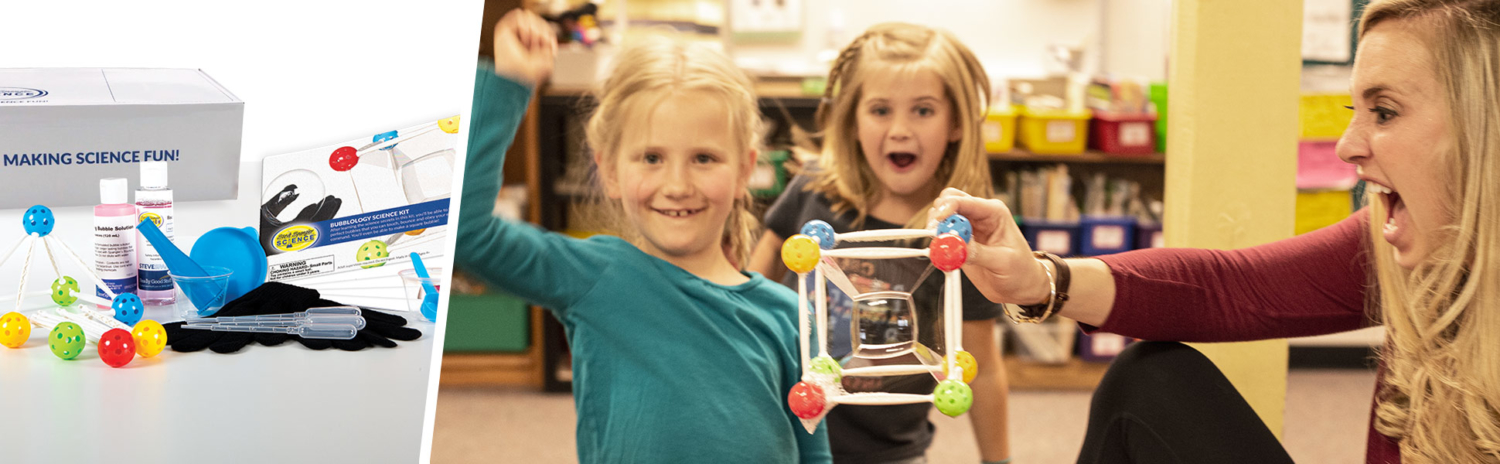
x=153 y=201
x=114 y=237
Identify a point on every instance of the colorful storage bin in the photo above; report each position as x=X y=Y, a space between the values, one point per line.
x=1054 y=132
x=999 y=129
x=1159 y=99
x=1104 y=235
x=1059 y=238
x=1149 y=236
x=1123 y=133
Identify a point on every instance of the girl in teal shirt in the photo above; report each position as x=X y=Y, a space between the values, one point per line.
x=678 y=355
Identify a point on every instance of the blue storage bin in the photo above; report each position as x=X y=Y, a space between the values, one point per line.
x=1149 y=236
x=1103 y=235
x=1059 y=238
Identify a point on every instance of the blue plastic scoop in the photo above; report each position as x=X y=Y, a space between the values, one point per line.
x=177 y=262
x=429 y=302
x=237 y=250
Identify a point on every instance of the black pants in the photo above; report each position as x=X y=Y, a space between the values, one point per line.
x=1163 y=402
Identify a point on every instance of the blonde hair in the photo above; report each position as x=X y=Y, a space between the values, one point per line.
x=846 y=179
x=645 y=73
x=1442 y=383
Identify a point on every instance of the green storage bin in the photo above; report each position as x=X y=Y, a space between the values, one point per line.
x=1159 y=97
x=487 y=323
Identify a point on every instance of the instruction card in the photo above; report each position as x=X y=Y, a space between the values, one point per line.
x=355 y=212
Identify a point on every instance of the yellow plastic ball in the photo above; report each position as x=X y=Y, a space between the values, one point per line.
x=800 y=253
x=967 y=362
x=150 y=338
x=15 y=329
x=449 y=125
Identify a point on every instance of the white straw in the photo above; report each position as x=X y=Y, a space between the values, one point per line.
x=888 y=370
x=876 y=253
x=25 y=269
x=420 y=130
x=86 y=268
x=822 y=299
x=876 y=399
x=421 y=241
x=802 y=321
x=53 y=259
x=13 y=249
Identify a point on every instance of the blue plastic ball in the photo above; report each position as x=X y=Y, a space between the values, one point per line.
x=384 y=137
x=821 y=231
x=38 y=220
x=958 y=225
x=128 y=308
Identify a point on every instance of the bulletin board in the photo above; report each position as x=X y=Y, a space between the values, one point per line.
x=761 y=21
x=1330 y=31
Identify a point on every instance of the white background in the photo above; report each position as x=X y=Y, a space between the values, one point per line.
x=311 y=73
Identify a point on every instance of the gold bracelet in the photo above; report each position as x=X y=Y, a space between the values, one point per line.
x=1021 y=316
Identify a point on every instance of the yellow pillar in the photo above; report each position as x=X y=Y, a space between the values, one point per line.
x=1232 y=154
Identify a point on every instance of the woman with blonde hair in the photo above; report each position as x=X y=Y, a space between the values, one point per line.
x=1421 y=260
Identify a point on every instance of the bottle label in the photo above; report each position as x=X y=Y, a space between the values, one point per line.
x=153 y=275
x=114 y=253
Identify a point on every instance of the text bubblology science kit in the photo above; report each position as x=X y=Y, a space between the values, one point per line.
x=63 y=124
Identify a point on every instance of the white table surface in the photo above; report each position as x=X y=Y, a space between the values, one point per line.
x=261 y=404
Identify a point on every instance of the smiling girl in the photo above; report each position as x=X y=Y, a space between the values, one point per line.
x=678 y=356
x=1421 y=260
x=901 y=121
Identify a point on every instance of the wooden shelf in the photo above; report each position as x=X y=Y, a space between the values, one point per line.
x=1090 y=157
x=1076 y=374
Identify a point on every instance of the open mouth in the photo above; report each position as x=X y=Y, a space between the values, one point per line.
x=902 y=159
x=678 y=213
x=1397 y=217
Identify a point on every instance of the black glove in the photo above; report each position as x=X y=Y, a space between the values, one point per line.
x=281 y=298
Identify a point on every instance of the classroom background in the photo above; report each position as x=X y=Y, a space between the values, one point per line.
x=1081 y=147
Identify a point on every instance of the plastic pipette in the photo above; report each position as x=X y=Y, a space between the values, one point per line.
x=323 y=331
x=345 y=315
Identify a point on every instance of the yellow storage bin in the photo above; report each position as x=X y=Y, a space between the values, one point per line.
x=1319 y=209
x=1054 y=132
x=999 y=129
x=1324 y=117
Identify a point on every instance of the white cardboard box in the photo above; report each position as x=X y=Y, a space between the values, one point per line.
x=63 y=129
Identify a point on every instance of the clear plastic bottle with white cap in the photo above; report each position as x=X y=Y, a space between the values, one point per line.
x=114 y=237
x=154 y=201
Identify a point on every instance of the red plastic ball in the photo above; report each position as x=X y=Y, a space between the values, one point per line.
x=117 y=347
x=806 y=400
x=948 y=252
x=343 y=159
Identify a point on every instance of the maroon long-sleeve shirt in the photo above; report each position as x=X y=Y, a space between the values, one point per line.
x=1311 y=284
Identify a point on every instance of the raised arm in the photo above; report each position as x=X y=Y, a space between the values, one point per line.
x=538 y=266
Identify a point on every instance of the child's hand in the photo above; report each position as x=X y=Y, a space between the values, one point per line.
x=1000 y=262
x=525 y=47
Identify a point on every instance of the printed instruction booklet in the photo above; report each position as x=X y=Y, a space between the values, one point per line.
x=345 y=218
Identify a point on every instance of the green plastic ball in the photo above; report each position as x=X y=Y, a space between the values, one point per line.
x=63 y=290
x=66 y=340
x=827 y=366
x=953 y=397
x=371 y=250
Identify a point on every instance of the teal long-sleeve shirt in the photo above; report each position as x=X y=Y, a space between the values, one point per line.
x=667 y=367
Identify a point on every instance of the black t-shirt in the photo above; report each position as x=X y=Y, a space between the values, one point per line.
x=862 y=434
